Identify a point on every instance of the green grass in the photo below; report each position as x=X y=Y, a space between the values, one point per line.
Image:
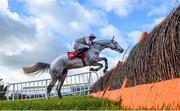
x=67 y=103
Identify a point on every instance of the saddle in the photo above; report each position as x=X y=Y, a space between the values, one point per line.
x=72 y=55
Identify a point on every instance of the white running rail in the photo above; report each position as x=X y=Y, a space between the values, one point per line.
x=77 y=84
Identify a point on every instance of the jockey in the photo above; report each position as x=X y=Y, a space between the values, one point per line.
x=83 y=44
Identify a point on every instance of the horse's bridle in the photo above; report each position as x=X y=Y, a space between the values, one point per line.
x=109 y=43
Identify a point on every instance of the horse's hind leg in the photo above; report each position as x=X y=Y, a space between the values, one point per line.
x=51 y=85
x=54 y=77
x=61 y=81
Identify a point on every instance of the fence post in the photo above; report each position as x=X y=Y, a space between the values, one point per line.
x=30 y=90
x=13 y=92
x=89 y=82
x=7 y=92
x=21 y=91
x=25 y=90
x=46 y=89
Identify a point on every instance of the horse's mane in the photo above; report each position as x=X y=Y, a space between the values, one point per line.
x=101 y=41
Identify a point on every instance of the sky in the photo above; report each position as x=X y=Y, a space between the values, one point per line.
x=34 y=31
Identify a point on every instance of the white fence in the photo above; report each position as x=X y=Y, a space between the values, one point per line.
x=78 y=84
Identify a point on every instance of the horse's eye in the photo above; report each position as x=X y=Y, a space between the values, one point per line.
x=96 y=53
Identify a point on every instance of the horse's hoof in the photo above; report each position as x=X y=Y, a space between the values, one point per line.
x=47 y=96
x=105 y=70
x=60 y=97
x=91 y=69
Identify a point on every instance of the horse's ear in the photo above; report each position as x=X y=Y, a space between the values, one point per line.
x=113 y=38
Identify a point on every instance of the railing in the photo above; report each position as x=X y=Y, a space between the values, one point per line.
x=78 y=84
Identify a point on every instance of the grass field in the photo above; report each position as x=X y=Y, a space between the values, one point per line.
x=67 y=103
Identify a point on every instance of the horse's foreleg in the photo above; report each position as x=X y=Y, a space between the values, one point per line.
x=61 y=81
x=96 y=69
x=106 y=63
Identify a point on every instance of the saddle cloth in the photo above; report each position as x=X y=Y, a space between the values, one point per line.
x=73 y=54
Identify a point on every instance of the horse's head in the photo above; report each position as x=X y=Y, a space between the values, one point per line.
x=112 y=44
x=115 y=46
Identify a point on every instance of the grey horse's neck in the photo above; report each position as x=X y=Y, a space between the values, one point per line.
x=101 y=44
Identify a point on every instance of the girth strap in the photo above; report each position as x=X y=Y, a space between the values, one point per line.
x=83 y=61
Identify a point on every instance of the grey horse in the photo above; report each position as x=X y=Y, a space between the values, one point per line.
x=59 y=67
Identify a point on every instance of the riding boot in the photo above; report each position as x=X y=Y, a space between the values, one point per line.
x=80 y=51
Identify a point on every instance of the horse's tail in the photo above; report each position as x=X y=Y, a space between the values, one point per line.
x=37 y=68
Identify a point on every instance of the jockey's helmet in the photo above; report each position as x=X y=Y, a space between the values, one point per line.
x=92 y=36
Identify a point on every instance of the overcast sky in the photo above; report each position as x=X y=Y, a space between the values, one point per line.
x=40 y=30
